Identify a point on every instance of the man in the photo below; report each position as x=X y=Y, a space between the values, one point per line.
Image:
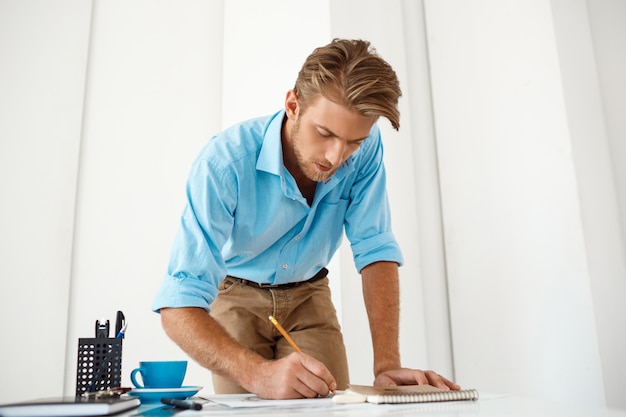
x=267 y=204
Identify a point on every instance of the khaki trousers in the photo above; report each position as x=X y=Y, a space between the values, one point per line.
x=305 y=311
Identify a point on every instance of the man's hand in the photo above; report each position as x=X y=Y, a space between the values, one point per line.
x=203 y=339
x=405 y=376
x=295 y=376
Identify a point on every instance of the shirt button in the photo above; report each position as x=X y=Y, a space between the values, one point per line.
x=285 y=266
x=298 y=237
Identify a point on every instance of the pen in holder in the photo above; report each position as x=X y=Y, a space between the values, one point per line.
x=99 y=365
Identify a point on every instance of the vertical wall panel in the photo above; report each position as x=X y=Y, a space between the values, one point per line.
x=606 y=18
x=595 y=167
x=608 y=31
x=428 y=200
x=43 y=46
x=153 y=98
x=521 y=303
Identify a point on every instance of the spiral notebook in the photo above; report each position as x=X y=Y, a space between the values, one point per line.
x=411 y=394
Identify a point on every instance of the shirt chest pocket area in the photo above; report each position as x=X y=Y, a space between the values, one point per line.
x=331 y=214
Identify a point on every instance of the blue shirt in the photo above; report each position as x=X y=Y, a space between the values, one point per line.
x=246 y=217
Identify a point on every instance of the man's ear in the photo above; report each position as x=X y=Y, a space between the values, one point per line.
x=292 y=106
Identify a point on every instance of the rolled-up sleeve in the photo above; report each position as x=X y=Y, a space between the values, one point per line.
x=382 y=247
x=196 y=265
x=368 y=218
x=183 y=292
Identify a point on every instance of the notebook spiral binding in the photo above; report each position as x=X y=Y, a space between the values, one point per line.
x=425 y=397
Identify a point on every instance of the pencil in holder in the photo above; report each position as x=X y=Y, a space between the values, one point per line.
x=99 y=365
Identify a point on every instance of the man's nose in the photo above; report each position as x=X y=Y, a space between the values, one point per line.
x=335 y=152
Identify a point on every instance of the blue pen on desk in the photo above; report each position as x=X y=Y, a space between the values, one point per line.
x=122 y=331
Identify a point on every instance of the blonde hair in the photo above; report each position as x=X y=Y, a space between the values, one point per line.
x=351 y=73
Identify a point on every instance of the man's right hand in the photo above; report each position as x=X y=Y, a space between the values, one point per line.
x=295 y=376
x=203 y=339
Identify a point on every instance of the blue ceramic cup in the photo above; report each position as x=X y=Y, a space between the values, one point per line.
x=160 y=374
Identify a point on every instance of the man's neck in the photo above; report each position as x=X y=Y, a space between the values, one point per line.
x=305 y=185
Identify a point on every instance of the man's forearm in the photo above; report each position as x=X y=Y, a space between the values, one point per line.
x=205 y=341
x=382 y=298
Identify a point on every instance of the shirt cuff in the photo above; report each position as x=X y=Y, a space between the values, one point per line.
x=383 y=247
x=183 y=292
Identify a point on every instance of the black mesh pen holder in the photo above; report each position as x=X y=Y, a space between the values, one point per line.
x=99 y=364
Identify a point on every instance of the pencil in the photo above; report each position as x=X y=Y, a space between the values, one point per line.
x=288 y=338
x=285 y=334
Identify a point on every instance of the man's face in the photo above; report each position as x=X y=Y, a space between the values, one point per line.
x=325 y=135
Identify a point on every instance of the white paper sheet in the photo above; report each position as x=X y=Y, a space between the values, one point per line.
x=252 y=401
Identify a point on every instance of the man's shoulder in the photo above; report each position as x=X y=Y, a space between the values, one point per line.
x=238 y=141
x=243 y=134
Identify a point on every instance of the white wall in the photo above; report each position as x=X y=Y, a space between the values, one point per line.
x=521 y=230
x=44 y=48
x=507 y=212
x=596 y=154
x=608 y=31
x=152 y=99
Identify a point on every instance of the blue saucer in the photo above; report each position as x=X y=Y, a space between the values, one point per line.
x=154 y=395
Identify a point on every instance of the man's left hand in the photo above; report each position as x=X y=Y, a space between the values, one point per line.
x=406 y=376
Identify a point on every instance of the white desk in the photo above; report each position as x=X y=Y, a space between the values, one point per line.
x=487 y=405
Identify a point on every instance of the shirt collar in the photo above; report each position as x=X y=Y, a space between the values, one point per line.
x=271 y=154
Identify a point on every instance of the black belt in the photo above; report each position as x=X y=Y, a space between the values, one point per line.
x=320 y=275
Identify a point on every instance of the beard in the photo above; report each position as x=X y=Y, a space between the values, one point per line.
x=308 y=167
